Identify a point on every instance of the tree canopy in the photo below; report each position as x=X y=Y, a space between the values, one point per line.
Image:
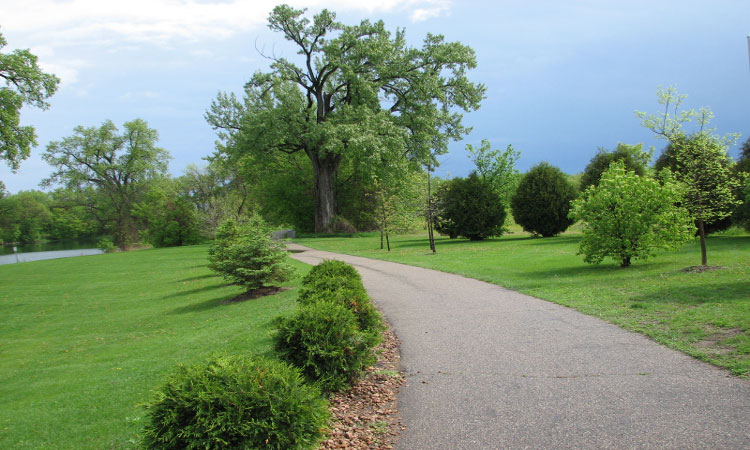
x=359 y=92
x=115 y=164
x=25 y=84
x=633 y=156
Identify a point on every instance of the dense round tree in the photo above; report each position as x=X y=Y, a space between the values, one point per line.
x=471 y=208
x=633 y=156
x=542 y=201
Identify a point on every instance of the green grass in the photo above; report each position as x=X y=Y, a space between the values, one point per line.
x=706 y=315
x=84 y=340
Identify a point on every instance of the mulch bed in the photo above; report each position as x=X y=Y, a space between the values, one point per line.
x=366 y=416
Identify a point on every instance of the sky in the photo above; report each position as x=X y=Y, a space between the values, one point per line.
x=563 y=78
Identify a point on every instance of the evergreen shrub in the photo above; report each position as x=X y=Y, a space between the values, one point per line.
x=324 y=340
x=246 y=255
x=542 y=201
x=471 y=208
x=236 y=402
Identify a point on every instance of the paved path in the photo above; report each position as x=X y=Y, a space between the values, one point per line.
x=489 y=368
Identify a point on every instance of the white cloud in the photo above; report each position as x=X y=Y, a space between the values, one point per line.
x=434 y=8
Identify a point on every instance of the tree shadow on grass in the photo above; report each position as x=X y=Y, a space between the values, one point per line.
x=192 y=291
x=199 y=277
x=228 y=300
x=697 y=294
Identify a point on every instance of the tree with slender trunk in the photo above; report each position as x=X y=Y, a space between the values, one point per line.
x=701 y=161
x=358 y=92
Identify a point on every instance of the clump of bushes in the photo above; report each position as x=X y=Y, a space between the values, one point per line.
x=542 y=201
x=236 y=402
x=245 y=254
x=333 y=333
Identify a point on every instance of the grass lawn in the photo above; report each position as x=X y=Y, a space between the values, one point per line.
x=84 y=340
x=706 y=315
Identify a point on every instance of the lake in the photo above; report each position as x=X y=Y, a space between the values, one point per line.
x=48 y=250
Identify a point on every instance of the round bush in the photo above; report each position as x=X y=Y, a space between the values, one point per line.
x=331 y=268
x=542 y=201
x=325 y=341
x=357 y=301
x=235 y=402
x=469 y=207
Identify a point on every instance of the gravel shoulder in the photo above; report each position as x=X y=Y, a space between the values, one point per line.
x=486 y=367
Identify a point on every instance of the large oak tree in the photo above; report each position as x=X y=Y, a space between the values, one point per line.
x=355 y=92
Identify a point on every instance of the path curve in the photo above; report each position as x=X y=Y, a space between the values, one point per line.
x=490 y=368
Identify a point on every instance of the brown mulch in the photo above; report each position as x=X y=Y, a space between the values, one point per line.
x=366 y=416
x=255 y=293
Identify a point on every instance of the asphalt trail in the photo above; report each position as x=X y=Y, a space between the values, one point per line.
x=490 y=368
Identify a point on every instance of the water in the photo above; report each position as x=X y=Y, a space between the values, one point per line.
x=48 y=250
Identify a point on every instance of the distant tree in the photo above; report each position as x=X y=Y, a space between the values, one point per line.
x=168 y=218
x=358 y=90
x=117 y=165
x=471 y=208
x=628 y=216
x=743 y=163
x=25 y=84
x=700 y=161
x=3 y=191
x=542 y=201
x=633 y=156
x=71 y=218
x=245 y=254
x=742 y=213
x=24 y=217
x=497 y=168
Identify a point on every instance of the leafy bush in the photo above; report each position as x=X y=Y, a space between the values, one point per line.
x=469 y=207
x=627 y=216
x=105 y=244
x=325 y=341
x=542 y=201
x=246 y=255
x=339 y=224
x=235 y=402
x=174 y=224
x=633 y=156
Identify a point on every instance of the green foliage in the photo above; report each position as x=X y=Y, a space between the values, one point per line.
x=236 y=402
x=25 y=84
x=168 y=217
x=117 y=165
x=628 y=216
x=633 y=156
x=742 y=213
x=106 y=245
x=24 y=217
x=324 y=340
x=542 y=201
x=246 y=255
x=358 y=93
x=497 y=168
x=469 y=207
x=340 y=283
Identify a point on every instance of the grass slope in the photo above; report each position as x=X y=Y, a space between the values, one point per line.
x=706 y=315
x=84 y=340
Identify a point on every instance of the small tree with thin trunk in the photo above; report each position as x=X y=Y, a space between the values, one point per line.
x=701 y=160
x=628 y=216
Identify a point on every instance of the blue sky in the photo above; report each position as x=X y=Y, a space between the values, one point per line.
x=563 y=78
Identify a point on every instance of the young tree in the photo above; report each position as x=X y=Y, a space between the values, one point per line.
x=700 y=160
x=358 y=90
x=246 y=255
x=628 y=216
x=542 y=201
x=633 y=156
x=25 y=84
x=117 y=165
x=497 y=168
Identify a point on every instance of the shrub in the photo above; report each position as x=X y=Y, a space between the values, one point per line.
x=106 y=245
x=469 y=207
x=627 y=216
x=246 y=255
x=324 y=340
x=633 y=156
x=235 y=402
x=542 y=201
x=330 y=268
x=339 y=224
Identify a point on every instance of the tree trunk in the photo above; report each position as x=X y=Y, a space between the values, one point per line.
x=325 y=200
x=625 y=262
x=430 y=212
x=702 y=233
